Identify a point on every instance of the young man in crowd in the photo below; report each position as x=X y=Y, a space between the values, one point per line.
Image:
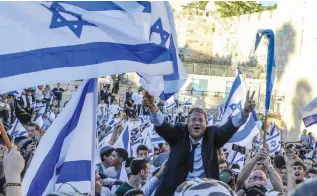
x=223 y=164
x=142 y=151
x=58 y=93
x=140 y=170
x=101 y=167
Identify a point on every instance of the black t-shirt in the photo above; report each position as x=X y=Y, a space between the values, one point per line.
x=58 y=92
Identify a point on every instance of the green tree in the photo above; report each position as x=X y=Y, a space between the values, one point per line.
x=236 y=8
x=197 y=5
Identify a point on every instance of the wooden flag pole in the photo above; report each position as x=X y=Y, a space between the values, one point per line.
x=5 y=136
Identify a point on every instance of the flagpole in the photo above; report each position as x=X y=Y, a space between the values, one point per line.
x=94 y=137
x=265 y=128
x=5 y=136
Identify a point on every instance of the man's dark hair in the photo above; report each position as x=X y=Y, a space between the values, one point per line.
x=128 y=161
x=235 y=166
x=283 y=167
x=279 y=161
x=299 y=163
x=122 y=153
x=37 y=127
x=142 y=147
x=133 y=192
x=312 y=171
x=197 y=110
x=137 y=165
x=222 y=161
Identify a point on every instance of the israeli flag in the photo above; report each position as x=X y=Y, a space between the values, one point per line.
x=235 y=100
x=170 y=103
x=309 y=113
x=62 y=157
x=163 y=31
x=156 y=138
x=123 y=140
x=270 y=65
x=17 y=130
x=39 y=121
x=273 y=139
x=82 y=40
x=236 y=158
x=220 y=113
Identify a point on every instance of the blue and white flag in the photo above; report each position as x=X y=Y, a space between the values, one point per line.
x=123 y=140
x=210 y=120
x=236 y=158
x=309 y=113
x=170 y=103
x=273 y=139
x=164 y=33
x=39 y=121
x=66 y=152
x=235 y=100
x=17 y=130
x=81 y=40
x=270 y=64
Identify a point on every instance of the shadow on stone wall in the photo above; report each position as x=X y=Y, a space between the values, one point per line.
x=302 y=95
x=284 y=47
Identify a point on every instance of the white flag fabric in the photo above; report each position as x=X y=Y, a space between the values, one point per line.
x=273 y=139
x=66 y=151
x=123 y=140
x=210 y=120
x=17 y=130
x=170 y=103
x=309 y=113
x=81 y=40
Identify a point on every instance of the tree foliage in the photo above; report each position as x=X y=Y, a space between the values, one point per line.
x=236 y=8
x=232 y=8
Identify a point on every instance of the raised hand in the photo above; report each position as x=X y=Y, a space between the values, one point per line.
x=148 y=101
x=249 y=105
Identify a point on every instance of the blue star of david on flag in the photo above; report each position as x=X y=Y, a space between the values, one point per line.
x=273 y=144
x=58 y=21
x=236 y=106
x=158 y=28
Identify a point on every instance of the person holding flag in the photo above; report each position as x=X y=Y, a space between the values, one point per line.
x=193 y=145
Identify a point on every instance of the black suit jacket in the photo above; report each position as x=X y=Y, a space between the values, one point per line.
x=176 y=169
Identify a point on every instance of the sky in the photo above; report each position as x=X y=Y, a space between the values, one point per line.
x=268 y=3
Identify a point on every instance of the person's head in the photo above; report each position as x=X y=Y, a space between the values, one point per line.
x=34 y=130
x=307 y=188
x=129 y=89
x=299 y=171
x=40 y=87
x=142 y=151
x=203 y=187
x=279 y=162
x=283 y=174
x=58 y=85
x=311 y=173
x=156 y=151
x=134 y=192
x=223 y=164
x=114 y=101
x=105 y=153
x=141 y=167
x=118 y=156
x=76 y=87
x=196 y=123
x=257 y=176
x=102 y=101
x=221 y=154
x=308 y=163
x=127 y=166
x=227 y=176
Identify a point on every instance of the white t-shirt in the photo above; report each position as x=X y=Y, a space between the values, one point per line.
x=39 y=95
x=113 y=109
x=139 y=99
x=101 y=109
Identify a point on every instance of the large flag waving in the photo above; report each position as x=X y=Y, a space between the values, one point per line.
x=81 y=40
x=62 y=157
x=270 y=64
x=17 y=130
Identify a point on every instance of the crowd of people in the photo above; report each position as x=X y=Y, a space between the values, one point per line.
x=191 y=161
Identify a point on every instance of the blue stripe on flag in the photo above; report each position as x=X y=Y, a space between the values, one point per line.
x=235 y=86
x=80 y=55
x=46 y=171
x=146 y=5
x=126 y=137
x=241 y=135
x=68 y=171
x=310 y=120
x=95 y=5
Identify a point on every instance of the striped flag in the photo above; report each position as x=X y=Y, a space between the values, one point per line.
x=65 y=153
x=17 y=130
x=91 y=39
x=309 y=113
x=170 y=103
